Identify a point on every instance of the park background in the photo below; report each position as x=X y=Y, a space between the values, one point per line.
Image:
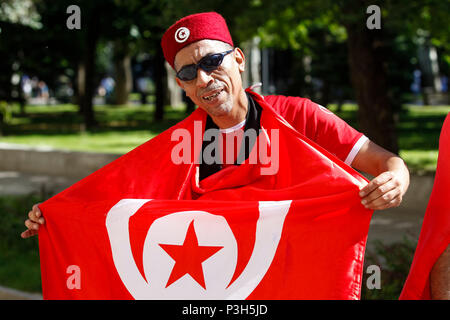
x=72 y=100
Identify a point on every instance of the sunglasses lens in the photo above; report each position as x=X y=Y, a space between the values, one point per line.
x=210 y=63
x=188 y=73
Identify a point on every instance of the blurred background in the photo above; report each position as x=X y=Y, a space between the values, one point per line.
x=74 y=99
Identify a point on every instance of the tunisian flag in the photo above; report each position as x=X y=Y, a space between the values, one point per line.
x=144 y=227
x=435 y=234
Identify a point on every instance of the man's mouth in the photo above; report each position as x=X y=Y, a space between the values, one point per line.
x=212 y=96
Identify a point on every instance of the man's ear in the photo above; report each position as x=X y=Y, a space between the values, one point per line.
x=179 y=83
x=240 y=59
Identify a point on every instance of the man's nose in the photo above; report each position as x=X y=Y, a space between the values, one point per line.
x=203 y=78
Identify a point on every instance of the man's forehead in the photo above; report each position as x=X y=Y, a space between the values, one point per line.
x=197 y=50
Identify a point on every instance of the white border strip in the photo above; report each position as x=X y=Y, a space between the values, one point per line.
x=357 y=146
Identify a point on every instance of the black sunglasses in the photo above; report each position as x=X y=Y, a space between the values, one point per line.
x=209 y=63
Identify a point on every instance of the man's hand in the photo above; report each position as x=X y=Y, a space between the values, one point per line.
x=33 y=223
x=391 y=180
x=384 y=191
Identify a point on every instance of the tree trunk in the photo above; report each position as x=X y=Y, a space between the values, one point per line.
x=86 y=106
x=325 y=94
x=369 y=79
x=22 y=102
x=81 y=78
x=123 y=76
x=1 y=123
x=160 y=84
x=86 y=80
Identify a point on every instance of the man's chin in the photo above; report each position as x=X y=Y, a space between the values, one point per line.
x=220 y=110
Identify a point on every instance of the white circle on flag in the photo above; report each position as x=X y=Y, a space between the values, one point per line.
x=211 y=279
x=182 y=34
x=211 y=230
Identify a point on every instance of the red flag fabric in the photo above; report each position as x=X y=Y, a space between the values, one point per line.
x=289 y=225
x=435 y=233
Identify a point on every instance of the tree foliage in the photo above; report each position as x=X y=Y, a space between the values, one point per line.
x=34 y=40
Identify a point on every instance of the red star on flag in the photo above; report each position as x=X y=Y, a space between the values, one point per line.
x=189 y=257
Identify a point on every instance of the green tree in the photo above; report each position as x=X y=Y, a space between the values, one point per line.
x=74 y=49
x=101 y=21
x=18 y=22
x=286 y=23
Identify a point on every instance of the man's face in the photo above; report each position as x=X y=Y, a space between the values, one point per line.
x=218 y=91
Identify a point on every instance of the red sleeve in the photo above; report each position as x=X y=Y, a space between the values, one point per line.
x=320 y=125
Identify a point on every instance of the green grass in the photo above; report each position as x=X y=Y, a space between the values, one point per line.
x=120 y=128
x=108 y=142
x=419 y=131
x=19 y=258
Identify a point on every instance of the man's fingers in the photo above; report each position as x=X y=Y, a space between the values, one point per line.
x=381 y=205
x=380 y=191
x=384 y=198
x=375 y=183
x=35 y=215
x=28 y=233
x=31 y=225
x=32 y=215
x=394 y=203
x=36 y=208
x=384 y=191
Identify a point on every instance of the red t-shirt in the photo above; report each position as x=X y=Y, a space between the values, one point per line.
x=320 y=125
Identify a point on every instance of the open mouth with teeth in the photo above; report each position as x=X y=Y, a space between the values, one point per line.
x=211 y=97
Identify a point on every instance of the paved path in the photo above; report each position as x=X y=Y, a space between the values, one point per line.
x=12 y=294
x=16 y=183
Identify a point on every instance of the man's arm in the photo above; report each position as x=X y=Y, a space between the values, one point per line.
x=440 y=277
x=391 y=180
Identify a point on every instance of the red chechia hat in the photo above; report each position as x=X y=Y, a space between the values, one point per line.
x=195 y=27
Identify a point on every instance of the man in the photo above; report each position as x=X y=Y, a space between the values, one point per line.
x=200 y=49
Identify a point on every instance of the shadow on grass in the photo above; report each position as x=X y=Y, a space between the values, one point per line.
x=420 y=132
x=109 y=119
